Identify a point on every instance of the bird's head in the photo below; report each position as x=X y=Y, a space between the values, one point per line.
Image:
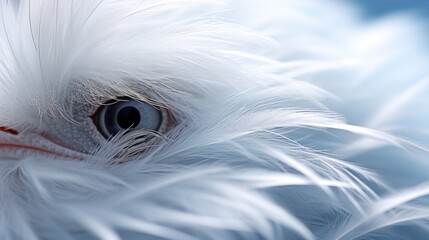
x=112 y=108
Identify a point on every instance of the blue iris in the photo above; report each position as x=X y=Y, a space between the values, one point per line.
x=125 y=115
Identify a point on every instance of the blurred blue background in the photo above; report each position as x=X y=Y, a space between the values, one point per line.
x=376 y=8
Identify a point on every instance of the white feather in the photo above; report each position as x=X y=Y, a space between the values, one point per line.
x=294 y=130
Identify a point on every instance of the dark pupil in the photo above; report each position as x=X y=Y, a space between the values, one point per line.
x=128 y=117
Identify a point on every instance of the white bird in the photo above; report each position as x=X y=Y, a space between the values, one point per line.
x=194 y=119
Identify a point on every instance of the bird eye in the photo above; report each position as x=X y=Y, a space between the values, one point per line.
x=125 y=115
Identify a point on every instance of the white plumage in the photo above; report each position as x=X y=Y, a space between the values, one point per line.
x=285 y=120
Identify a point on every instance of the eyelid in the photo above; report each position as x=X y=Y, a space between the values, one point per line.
x=168 y=121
